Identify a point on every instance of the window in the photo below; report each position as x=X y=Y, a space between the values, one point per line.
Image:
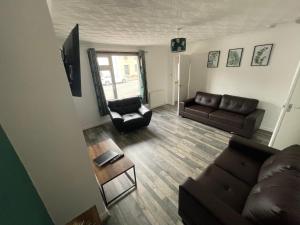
x=103 y=61
x=118 y=80
x=126 y=69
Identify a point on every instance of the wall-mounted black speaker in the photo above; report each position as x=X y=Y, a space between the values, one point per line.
x=178 y=45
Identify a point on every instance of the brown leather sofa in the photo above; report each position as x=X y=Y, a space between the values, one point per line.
x=129 y=114
x=248 y=184
x=230 y=113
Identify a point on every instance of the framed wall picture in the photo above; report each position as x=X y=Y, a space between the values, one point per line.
x=213 y=59
x=234 y=57
x=261 y=55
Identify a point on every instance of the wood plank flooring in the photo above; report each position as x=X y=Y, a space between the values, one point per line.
x=165 y=154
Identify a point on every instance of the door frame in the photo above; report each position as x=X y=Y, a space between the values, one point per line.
x=178 y=83
x=175 y=80
x=286 y=106
x=181 y=59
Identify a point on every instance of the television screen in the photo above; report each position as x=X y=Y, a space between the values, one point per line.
x=71 y=58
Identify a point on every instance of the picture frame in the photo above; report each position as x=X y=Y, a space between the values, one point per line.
x=234 y=57
x=261 y=55
x=213 y=59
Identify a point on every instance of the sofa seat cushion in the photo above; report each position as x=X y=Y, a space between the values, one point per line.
x=132 y=118
x=199 y=110
x=225 y=187
x=207 y=99
x=287 y=159
x=240 y=165
x=228 y=118
x=275 y=200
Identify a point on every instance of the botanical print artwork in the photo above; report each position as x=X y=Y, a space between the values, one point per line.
x=213 y=59
x=234 y=57
x=261 y=55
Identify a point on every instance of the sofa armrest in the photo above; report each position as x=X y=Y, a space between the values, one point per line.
x=253 y=120
x=188 y=102
x=115 y=116
x=198 y=206
x=144 y=111
x=117 y=119
x=251 y=148
x=185 y=103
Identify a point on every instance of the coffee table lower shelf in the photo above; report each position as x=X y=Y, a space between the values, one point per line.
x=123 y=193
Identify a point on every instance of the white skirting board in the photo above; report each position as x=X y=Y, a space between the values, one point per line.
x=157 y=98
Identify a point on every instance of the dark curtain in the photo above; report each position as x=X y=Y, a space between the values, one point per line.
x=100 y=95
x=143 y=78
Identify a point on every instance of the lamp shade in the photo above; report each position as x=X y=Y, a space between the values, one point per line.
x=178 y=45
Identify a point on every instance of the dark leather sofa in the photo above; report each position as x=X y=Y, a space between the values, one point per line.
x=248 y=184
x=129 y=114
x=230 y=113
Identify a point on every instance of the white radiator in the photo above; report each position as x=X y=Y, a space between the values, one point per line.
x=157 y=98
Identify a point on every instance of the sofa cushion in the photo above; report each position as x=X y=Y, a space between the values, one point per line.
x=225 y=187
x=287 y=159
x=199 y=110
x=275 y=200
x=240 y=165
x=238 y=104
x=228 y=118
x=126 y=105
x=132 y=117
x=207 y=99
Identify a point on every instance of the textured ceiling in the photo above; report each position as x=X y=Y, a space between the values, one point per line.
x=153 y=22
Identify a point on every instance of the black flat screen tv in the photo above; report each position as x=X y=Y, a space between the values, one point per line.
x=70 y=53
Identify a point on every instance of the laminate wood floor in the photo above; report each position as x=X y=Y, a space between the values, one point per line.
x=165 y=153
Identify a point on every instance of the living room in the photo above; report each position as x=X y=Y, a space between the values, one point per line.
x=196 y=123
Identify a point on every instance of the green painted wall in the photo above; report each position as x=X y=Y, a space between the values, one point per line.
x=20 y=203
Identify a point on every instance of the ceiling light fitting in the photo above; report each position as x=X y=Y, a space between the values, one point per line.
x=178 y=44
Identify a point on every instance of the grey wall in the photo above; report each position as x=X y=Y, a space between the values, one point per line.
x=38 y=114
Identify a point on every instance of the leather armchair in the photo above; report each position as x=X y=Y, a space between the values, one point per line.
x=129 y=114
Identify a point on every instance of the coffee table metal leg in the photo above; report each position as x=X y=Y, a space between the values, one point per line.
x=134 y=176
x=133 y=181
x=134 y=185
x=103 y=194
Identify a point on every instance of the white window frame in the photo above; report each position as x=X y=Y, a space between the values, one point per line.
x=111 y=68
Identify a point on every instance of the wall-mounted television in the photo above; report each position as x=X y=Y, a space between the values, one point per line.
x=70 y=53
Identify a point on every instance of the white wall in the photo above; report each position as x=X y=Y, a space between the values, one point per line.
x=269 y=84
x=157 y=74
x=38 y=114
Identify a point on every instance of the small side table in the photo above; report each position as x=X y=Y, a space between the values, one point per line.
x=111 y=171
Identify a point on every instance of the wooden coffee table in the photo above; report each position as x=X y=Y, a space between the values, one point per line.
x=110 y=171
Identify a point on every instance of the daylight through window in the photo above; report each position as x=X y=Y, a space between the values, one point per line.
x=120 y=75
